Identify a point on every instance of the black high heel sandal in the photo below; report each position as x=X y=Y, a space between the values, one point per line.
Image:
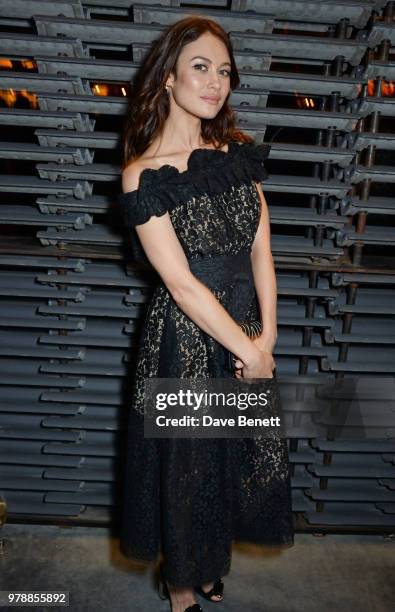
x=217 y=590
x=163 y=592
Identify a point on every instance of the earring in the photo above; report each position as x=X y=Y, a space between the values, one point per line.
x=167 y=89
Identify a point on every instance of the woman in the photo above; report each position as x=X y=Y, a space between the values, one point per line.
x=193 y=200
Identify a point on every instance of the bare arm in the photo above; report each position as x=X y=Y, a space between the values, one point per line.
x=265 y=277
x=165 y=253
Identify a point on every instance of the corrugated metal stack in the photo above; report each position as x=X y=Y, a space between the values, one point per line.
x=317 y=83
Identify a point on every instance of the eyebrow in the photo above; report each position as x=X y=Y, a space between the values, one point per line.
x=208 y=60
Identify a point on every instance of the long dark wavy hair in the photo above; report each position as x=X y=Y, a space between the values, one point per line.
x=149 y=104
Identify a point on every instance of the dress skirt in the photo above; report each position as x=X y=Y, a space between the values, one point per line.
x=189 y=499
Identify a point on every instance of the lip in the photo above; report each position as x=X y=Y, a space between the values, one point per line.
x=211 y=100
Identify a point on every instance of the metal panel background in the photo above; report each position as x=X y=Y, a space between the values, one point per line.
x=317 y=82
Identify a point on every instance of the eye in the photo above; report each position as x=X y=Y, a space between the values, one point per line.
x=227 y=72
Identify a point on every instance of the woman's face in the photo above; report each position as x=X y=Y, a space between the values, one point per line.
x=203 y=77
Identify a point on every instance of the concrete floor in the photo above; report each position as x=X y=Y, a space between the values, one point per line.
x=334 y=572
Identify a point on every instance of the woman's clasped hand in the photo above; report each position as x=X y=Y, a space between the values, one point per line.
x=261 y=364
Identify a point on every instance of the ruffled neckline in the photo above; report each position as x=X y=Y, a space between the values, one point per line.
x=197 y=159
x=209 y=171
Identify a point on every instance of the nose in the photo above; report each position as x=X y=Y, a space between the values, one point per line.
x=214 y=79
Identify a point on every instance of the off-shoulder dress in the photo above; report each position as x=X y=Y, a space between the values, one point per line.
x=189 y=499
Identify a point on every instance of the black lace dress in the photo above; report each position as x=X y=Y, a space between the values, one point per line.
x=190 y=498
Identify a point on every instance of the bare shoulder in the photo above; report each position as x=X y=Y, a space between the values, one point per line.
x=131 y=172
x=131 y=175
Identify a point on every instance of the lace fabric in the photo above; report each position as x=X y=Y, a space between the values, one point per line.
x=189 y=499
